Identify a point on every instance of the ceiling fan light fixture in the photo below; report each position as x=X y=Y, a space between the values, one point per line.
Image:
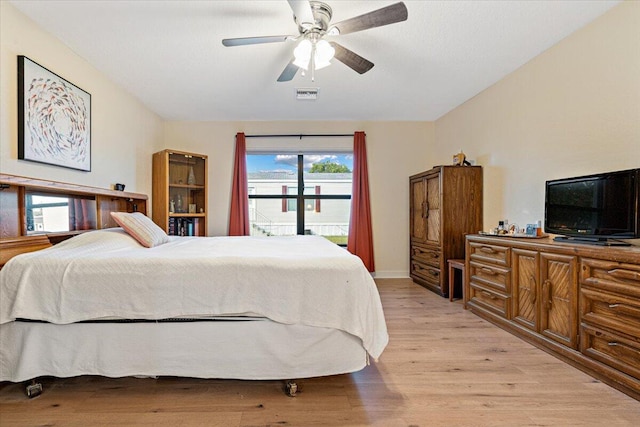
x=312 y=53
x=320 y=65
x=300 y=63
x=302 y=54
x=321 y=50
x=324 y=53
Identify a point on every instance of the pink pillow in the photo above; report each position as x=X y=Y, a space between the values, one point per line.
x=141 y=228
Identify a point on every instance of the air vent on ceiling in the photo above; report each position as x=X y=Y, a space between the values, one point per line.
x=307 y=93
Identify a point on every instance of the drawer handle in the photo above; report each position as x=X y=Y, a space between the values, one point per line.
x=487 y=249
x=547 y=290
x=625 y=309
x=622 y=345
x=624 y=274
x=418 y=251
x=533 y=293
x=488 y=271
x=425 y=210
x=488 y=294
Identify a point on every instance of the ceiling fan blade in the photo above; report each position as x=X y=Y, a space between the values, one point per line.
x=289 y=72
x=303 y=13
x=351 y=59
x=241 y=41
x=387 y=15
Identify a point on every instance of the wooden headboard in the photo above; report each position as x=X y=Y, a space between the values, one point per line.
x=14 y=238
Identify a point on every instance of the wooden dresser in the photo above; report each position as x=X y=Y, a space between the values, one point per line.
x=445 y=204
x=578 y=302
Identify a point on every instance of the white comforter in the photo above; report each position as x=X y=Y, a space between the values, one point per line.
x=106 y=274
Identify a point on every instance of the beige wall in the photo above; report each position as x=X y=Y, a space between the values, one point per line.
x=395 y=150
x=573 y=110
x=124 y=132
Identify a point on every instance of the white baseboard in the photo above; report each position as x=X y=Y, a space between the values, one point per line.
x=391 y=274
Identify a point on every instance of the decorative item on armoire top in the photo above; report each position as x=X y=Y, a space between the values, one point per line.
x=118 y=187
x=460 y=159
x=54 y=118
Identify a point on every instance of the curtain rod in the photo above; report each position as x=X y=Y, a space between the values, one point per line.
x=329 y=135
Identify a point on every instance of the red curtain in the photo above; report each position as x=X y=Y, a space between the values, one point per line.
x=81 y=214
x=239 y=213
x=360 y=240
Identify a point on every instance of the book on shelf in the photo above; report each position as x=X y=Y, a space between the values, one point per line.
x=184 y=227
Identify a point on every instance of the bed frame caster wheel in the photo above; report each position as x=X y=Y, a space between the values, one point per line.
x=291 y=388
x=34 y=389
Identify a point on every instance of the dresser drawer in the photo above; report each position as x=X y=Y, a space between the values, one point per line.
x=490 y=300
x=614 y=311
x=426 y=272
x=608 y=274
x=494 y=254
x=425 y=255
x=611 y=349
x=491 y=275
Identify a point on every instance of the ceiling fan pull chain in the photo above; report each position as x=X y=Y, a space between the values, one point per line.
x=312 y=61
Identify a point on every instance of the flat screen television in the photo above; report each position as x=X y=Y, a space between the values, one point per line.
x=596 y=209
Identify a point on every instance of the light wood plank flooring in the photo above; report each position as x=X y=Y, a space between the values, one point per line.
x=443 y=367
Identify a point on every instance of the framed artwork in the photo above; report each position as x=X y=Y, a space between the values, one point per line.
x=54 y=118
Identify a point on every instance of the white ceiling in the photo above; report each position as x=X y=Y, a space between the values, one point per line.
x=169 y=54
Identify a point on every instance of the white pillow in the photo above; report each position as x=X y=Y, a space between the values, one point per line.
x=141 y=228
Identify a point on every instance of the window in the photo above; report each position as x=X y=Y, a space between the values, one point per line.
x=293 y=194
x=291 y=205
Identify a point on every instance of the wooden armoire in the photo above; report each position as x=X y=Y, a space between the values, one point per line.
x=445 y=205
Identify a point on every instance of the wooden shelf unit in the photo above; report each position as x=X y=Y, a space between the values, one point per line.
x=14 y=236
x=173 y=193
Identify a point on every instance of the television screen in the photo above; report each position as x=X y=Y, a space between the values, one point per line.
x=596 y=206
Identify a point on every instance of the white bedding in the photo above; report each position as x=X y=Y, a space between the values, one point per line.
x=303 y=280
x=252 y=350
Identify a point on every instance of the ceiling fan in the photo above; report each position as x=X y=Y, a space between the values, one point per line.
x=312 y=51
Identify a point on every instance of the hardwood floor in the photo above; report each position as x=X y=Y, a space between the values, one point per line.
x=443 y=367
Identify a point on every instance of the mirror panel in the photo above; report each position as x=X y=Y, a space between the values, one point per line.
x=51 y=213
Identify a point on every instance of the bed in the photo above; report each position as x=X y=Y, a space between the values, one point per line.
x=249 y=308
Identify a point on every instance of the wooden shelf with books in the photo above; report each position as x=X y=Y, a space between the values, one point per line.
x=180 y=192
